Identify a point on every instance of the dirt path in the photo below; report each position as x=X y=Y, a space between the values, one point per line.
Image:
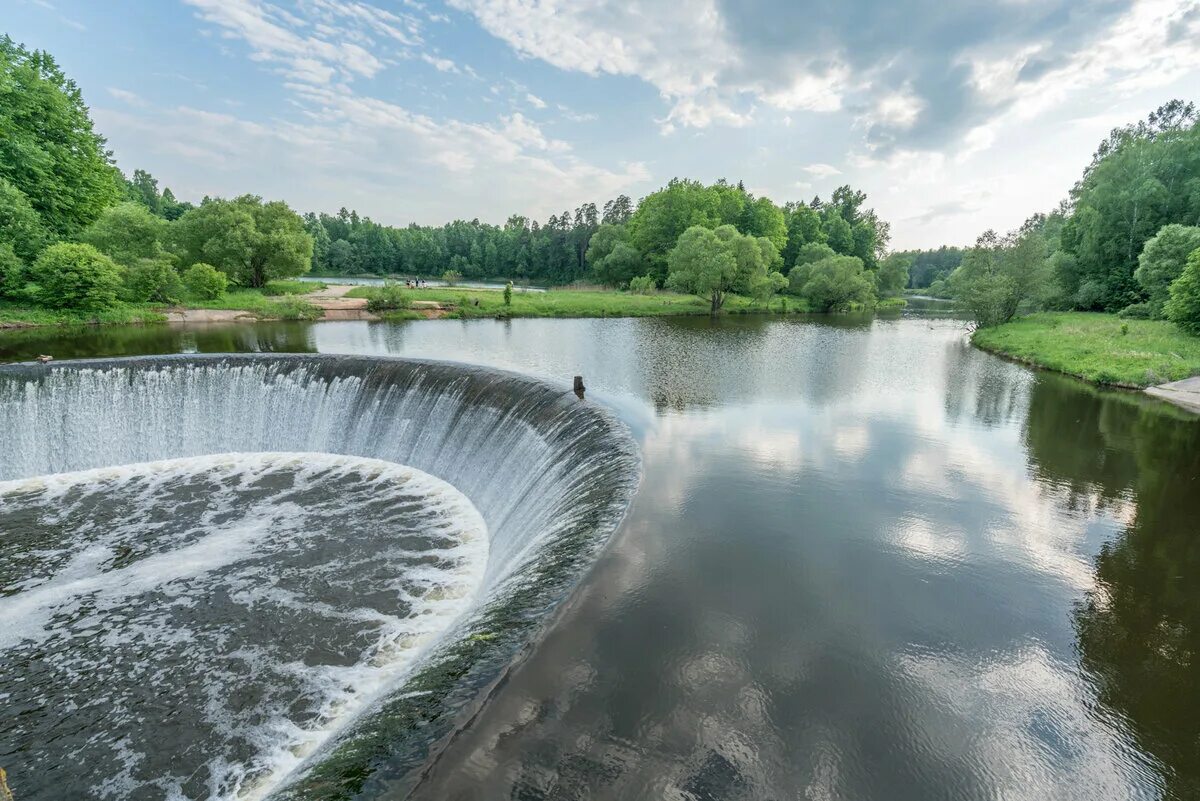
x=332 y=300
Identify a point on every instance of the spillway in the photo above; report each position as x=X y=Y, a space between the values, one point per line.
x=277 y=576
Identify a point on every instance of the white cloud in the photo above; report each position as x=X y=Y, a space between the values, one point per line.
x=822 y=170
x=440 y=64
x=126 y=96
x=534 y=100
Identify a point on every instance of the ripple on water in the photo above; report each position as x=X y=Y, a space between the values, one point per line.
x=193 y=628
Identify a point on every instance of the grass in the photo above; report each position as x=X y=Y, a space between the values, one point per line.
x=1097 y=347
x=468 y=303
x=15 y=315
x=283 y=287
x=283 y=307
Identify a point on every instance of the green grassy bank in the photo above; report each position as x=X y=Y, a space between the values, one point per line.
x=468 y=303
x=277 y=300
x=1097 y=347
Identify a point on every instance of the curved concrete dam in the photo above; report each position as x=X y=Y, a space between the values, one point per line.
x=277 y=576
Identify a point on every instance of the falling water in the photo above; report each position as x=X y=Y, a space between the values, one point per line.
x=288 y=576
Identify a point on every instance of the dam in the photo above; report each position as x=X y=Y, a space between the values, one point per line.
x=279 y=576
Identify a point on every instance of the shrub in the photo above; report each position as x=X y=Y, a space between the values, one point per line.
x=643 y=285
x=71 y=276
x=388 y=297
x=1183 y=308
x=205 y=282
x=152 y=280
x=508 y=294
x=834 y=284
x=451 y=277
x=1136 y=311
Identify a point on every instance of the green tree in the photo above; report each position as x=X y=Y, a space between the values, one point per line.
x=999 y=275
x=613 y=260
x=664 y=215
x=1142 y=177
x=833 y=284
x=1183 y=307
x=892 y=275
x=48 y=149
x=839 y=234
x=762 y=218
x=127 y=233
x=252 y=242
x=20 y=225
x=713 y=263
x=12 y=272
x=1162 y=261
x=204 y=282
x=811 y=253
x=643 y=285
x=76 y=276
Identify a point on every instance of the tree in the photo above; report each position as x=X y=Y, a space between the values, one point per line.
x=713 y=263
x=1183 y=308
x=1142 y=177
x=20 y=225
x=613 y=260
x=341 y=259
x=812 y=253
x=204 y=282
x=144 y=188
x=664 y=215
x=833 y=284
x=12 y=272
x=999 y=275
x=1162 y=261
x=76 y=276
x=617 y=211
x=127 y=233
x=48 y=149
x=763 y=218
x=839 y=234
x=252 y=242
x=892 y=275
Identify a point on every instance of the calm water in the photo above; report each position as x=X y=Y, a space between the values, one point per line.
x=866 y=562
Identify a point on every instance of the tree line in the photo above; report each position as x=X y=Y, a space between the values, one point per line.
x=1126 y=240
x=76 y=233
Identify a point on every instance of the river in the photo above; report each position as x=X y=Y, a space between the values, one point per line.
x=866 y=561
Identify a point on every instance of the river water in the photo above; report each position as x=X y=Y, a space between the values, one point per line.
x=866 y=562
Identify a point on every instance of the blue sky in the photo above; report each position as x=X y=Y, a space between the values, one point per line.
x=954 y=117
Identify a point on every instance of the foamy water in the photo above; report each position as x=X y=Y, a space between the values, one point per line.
x=147 y=598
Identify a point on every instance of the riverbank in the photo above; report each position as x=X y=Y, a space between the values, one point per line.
x=468 y=303
x=1101 y=348
x=302 y=300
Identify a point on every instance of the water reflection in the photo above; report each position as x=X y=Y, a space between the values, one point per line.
x=867 y=561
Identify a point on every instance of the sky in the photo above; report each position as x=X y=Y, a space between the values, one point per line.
x=954 y=117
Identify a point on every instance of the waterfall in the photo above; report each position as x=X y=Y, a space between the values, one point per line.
x=549 y=475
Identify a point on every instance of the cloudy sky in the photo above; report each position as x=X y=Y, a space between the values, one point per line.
x=953 y=116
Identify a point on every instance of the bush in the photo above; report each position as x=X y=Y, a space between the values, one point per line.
x=152 y=280
x=1183 y=308
x=1136 y=311
x=643 y=285
x=834 y=284
x=451 y=277
x=508 y=294
x=388 y=297
x=205 y=282
x=70 y=276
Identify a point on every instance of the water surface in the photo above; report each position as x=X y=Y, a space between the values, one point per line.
x=866 y=562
